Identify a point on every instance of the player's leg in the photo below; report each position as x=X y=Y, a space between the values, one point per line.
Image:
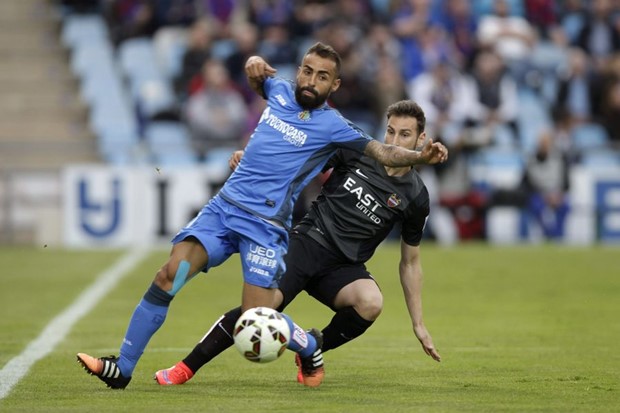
x=216 y=340
x=357 y=306
x=262 y=252
x=188 y=257
x=299 y=262
x=356 y=299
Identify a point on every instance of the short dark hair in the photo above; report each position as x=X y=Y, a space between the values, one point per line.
x=327 y=52
x=408 y=108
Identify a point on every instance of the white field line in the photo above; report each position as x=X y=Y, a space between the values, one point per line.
x=57 y=329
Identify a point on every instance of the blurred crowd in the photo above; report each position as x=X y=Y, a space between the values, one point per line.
x=521 y=76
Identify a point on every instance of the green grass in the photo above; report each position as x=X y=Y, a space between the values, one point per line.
x=520 y=329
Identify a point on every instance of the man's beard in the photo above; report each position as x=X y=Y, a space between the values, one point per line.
x=308 y=102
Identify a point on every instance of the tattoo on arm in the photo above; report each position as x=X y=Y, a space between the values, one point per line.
x=391 y=155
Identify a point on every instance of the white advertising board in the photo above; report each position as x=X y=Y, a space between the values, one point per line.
x=122 y=207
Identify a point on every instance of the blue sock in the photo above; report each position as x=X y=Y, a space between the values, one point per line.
x=148 y=316
x=300 y=342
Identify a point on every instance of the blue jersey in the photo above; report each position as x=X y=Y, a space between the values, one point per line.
x=288 y=148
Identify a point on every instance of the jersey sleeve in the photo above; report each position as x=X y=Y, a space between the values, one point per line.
x=348 y=135
x=415 y=219
x=267 y=86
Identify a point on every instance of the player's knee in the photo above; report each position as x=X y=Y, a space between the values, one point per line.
x=369 y=306
x=172 y=276
x=164 y=278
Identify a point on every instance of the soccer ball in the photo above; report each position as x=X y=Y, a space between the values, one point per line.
x=261 y=334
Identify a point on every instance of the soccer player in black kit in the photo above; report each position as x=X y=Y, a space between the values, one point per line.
x=358 y=207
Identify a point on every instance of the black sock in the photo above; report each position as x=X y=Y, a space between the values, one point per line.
x=346 y=325
x=217 y=339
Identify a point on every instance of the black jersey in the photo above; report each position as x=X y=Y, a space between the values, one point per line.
x=360 y=204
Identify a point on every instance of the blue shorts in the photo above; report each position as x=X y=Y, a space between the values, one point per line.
x=224 y=229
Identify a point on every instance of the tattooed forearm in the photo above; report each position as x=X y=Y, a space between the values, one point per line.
x=391 y=155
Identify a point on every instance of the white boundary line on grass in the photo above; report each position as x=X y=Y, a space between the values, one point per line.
x=57 y=329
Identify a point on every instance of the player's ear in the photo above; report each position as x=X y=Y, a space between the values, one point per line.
x=335 y=85
x=419 y=143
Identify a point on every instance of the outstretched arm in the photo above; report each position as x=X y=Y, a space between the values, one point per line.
x=410 y=269
x=392 y=155
x=257 y=70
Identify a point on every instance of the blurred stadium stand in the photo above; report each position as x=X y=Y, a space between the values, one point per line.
x=42 y=119
x=79 y=87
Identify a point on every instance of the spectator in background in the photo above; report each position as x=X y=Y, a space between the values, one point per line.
x=493 y=98
x=572 y=15
x=604 y=106
x=355 y=91
x=409 y=19
x=222 y=14
x=357 y=13
x=546 y=185
x=379 y=43
x=448 y=99
x=442 y=92
x=511 y=37
x=129 y=18
x=600 y=34
x=574 y=91
x=309 y=16
x=175 y=12
x=562 y=131
x=277 y=48
x=216 y=114
x=245 y=37
x=461 y=26
x=542 y=16
x=198 y=50
x=388 y=86
x=610 y=99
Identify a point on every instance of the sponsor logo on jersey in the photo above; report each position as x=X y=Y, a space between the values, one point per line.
x=360 y=173
x=281 y=100
x=366 y=202
x=290 y=133
x=305 y=115
x=393 y=201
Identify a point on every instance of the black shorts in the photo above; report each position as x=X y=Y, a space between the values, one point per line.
x=322 y=273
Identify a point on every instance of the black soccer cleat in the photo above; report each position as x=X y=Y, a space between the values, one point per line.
x=105 y=369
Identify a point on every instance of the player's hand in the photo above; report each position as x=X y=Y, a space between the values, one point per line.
x=257 y=69
x=234 y=160
x=434 y=152
x=427 y=342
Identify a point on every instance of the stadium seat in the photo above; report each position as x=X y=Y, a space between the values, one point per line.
x=94 y=58
x=118 y=118
x=154 y=96
x=532 y=119
x=118 y=147
x=86 y=29
x=222 y=49
x=589 y=136
x=496 y=168
x=169 y=142
x=169 y=45
x=136 y=58
x=600 y=159
x=504 y=137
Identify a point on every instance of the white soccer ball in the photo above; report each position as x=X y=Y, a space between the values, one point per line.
x=261 y=334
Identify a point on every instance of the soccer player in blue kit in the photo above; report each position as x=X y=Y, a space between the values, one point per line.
x=295 y=136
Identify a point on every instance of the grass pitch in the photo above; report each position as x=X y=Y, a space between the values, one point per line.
x=520 y=329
